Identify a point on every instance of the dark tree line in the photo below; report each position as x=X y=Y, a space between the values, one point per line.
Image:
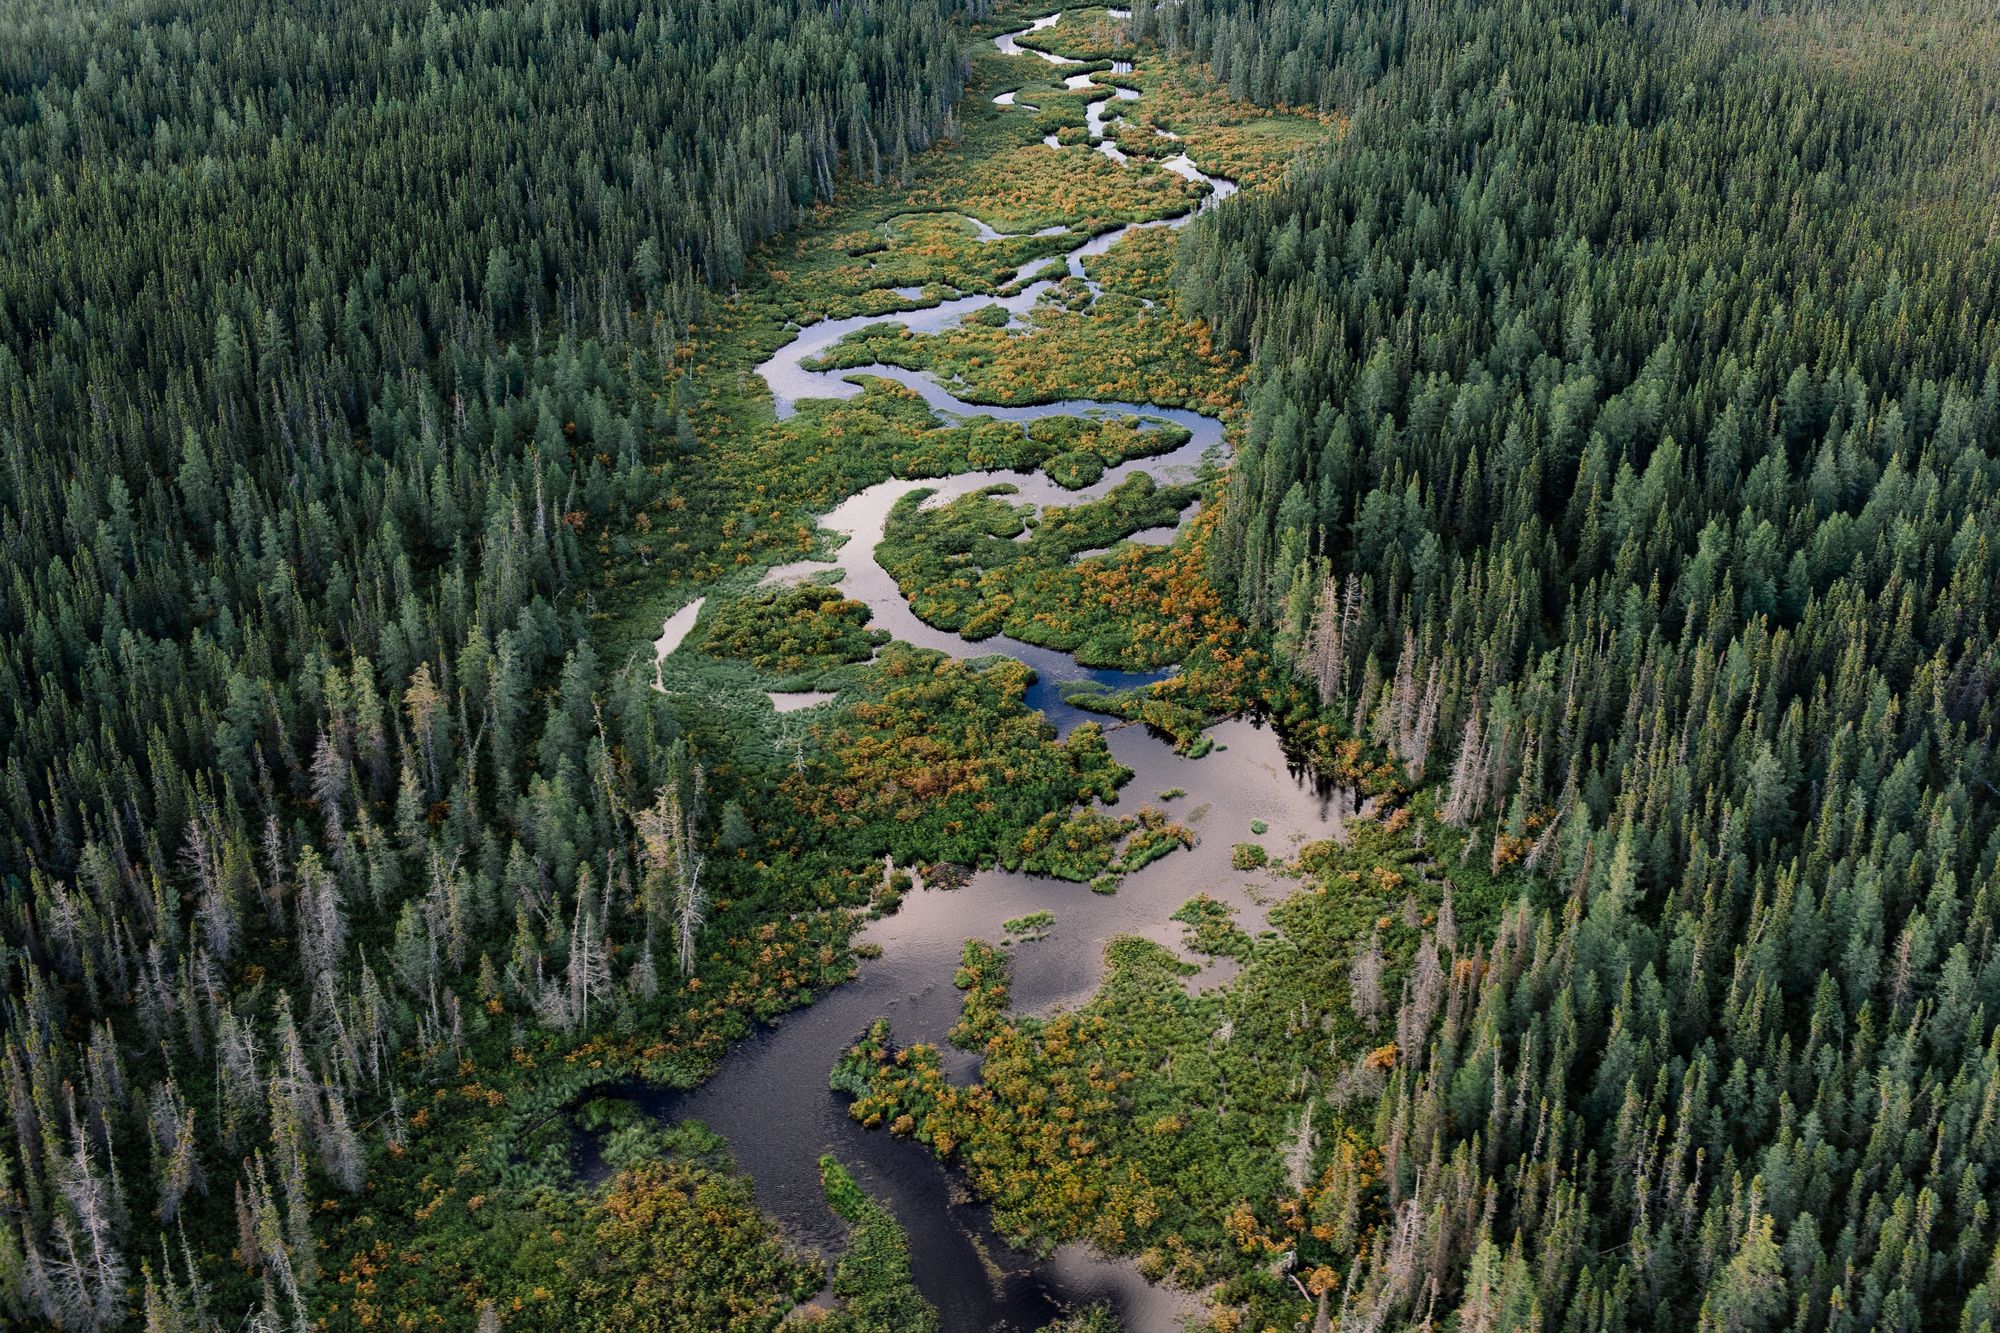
x=1313 y=53
x=325 y=330
x=1625 y=455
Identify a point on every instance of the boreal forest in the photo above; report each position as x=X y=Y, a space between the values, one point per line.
x=942 y=666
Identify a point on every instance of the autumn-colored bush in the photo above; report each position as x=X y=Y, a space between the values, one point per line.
x=1153 y=1121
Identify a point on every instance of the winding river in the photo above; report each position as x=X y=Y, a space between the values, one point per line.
x=770 y=1098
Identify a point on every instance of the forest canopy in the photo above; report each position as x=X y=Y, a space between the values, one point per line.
x=1615 y=496
x=327 y=332
x=1622 y=455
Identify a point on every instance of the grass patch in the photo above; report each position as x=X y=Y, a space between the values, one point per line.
x=872 y=1277
x=1212 y=927
x=1248 y=856
x=792 y=631
x=1033 y=926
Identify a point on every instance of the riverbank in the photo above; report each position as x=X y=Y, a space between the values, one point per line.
x=1043 y=356
x=1054 y=283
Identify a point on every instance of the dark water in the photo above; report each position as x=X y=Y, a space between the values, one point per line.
x=770 y=1099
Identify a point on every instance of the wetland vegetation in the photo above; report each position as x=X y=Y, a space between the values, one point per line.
x=1536 y=541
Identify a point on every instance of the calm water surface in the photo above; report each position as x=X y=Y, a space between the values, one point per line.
x=770 y=1099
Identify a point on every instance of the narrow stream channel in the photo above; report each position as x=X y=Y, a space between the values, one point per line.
x=770 y=1100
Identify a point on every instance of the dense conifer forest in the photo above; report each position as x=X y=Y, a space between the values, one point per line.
x=328 y=334
x=1622 y=455
x=1605 y=490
